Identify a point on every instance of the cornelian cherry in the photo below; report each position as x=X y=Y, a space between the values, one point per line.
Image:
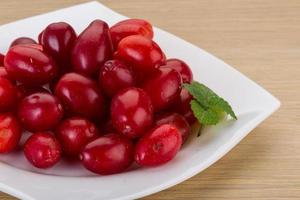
x=131 y=112
x=42 y=150
x=114 y=76
x=108 y=154
x=80 y=96
x=74 y=133
x=158 y=146
x=92 y=48
x=163 y=87
x=40 y=112
x=29 y=65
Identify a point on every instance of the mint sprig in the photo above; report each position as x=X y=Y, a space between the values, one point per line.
x=207 y=106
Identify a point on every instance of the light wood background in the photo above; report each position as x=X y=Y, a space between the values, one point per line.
x=262 y=40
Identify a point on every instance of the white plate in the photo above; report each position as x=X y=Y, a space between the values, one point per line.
x=251 y=103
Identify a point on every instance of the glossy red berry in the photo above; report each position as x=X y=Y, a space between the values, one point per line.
x=42 y=150
x=141 y=53
x=30 y=66
x=74 y=133
x=129 y=27
x=58 y=40
x=182 y=106
x=158 y=146
x=92 y=49
x=114 y=76
x=8 y=95
x=40 y=112
x=163 y=87
x=176 y=120
x=80 y=96
x=131 y=112
x=22 y=40
x=108 y=154
x=181 y=67
x=10 y=133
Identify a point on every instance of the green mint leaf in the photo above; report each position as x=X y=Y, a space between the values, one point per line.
x=206 y=117
x=207 y=106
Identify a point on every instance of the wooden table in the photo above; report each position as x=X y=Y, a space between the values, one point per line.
x=262 y=40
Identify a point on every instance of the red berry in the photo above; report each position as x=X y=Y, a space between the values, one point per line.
x=183 y=107
x=80 y=96
x=158 y=146
x=58 y=40
x=176 y=120
x=129 y=27
x=141 y=53
x=40 y=112
x=74 y=133
x=163 y=87
x=114 y=76
x=92 y=48
x=108 y=154
x=22 y=40
x=42 y=150
x=10 y=133
x=181 y=67
x=131 y=112
x=8 y=95
x=24 y=90
x=30 y=66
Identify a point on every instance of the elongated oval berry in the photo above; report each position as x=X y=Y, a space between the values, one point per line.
x=158 y=146
x=141 y=53
x=176 y=120
x=114 y=76
x=74 y=133
x=25 y=90
x=8 y=95
x=108 y=154
x=163 y=87
x=29 y=65
x=80 y=96
x=181 y=67
x=22 y=40
x=129 y=27
x=92 y=48
x=40 y=112
x=10 y=132
x=131 y=112
x=42 y=150
x=57 y=40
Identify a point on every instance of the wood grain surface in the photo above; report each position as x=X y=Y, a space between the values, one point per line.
x=259 y=38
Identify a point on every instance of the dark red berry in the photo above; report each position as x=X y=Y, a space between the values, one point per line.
x=42 y=150
x=158 y=146
x=108 y=154
x=74 y=133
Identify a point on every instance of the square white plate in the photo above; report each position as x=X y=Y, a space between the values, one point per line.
x=65 y=181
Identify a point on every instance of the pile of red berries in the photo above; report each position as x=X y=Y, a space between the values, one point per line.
x=107 y=97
